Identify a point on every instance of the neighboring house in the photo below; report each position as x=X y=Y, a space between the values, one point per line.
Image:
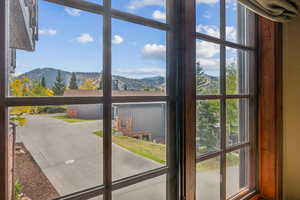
x=139 y=120
x=23 y=28
x=142 y=118
x=23 y=24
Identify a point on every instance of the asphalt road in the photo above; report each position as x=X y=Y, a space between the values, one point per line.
x=72 y=159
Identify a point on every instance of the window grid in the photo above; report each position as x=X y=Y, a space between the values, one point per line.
x=107 y=100
x=223 y=97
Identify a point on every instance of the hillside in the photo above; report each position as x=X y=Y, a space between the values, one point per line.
x=119 y=82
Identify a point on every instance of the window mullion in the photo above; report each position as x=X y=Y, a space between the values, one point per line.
x=187 y=92
x=4 y=38
x=223 y=124
x=172 y=112
x=107 y=104
x=223 y=99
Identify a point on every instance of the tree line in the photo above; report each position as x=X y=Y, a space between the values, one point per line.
x=26 y=87
x=208 y=111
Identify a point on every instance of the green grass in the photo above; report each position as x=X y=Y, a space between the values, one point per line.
x=157 y=152
x=70 y=120
x=214 y=163
x=150 y=150
x=211 y=164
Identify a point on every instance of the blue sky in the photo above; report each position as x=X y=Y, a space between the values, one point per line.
x=71 y=40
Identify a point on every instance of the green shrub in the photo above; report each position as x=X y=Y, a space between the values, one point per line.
x=18 y=190
x=52 y=109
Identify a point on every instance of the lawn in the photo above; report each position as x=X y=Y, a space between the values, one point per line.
x=157 y=152
x=68 y=119
x=150 y=150
x=214 y=163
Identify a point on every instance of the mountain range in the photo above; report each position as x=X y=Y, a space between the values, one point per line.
x=119 y=82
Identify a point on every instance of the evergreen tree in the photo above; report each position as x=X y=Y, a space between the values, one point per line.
x=43 y=82
x=59 y=85
x=207 y=117
x=208 y=111
x=73 y=82
x=233 y=104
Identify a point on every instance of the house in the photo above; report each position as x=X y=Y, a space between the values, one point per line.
x=23 y=28
x=140 y=120
x=23 y=24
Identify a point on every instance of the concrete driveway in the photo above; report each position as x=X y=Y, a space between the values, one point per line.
x=72 y=159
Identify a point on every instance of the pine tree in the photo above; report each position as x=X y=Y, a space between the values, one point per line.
x=207 y=117
x=59 y=85
x=200 y=80
x=208 y=111
x=43 y=82
x=73 y=82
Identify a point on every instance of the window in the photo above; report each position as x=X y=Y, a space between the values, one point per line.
x=92 y=113
x=97 y=109
x=225 y=74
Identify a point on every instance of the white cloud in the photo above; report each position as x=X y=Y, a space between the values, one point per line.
x=231 y=4
x=159 y=15
x=117 y=39
x=47 y=32
x=135 y=4
x=209 y=30
x=231 y=33
x=207 y=56
x=207 y=1
x=211 y=66
x=139 y=72
x=206 y=49
x=84 y=38
x=154 y=51
x=73 y=12
x=215 y=32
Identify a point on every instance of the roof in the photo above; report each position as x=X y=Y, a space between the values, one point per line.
x=76 y=93
x=23 y=24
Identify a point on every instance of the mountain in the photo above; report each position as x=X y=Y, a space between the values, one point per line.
x=119 y=82
x=51 y=73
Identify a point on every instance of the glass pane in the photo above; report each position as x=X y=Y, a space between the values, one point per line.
x=237 y=171
x=208 y=126
x=68 y=56
x=138 y=60
x=238 y=64
x=207 y=68
x=155 y=10
x=208 y=179
x=240 y=23
x=152 y=189
x=208 y=17
x=139 y=138
x=237 y=117
x=51 y=158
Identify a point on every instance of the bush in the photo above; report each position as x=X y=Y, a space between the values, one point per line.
x=52 y=109
x=18 y=190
